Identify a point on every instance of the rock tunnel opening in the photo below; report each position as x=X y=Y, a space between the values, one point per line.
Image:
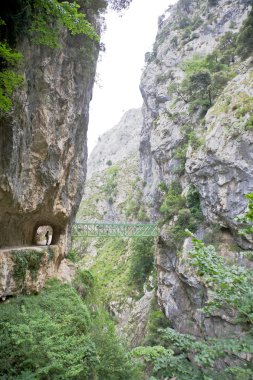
x=44 y=235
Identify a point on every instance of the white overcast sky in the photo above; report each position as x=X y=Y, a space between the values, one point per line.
x=127 y=38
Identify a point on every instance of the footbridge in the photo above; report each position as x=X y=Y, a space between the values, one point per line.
x=114 y=229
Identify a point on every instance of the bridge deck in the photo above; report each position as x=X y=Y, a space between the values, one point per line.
x=110 y=229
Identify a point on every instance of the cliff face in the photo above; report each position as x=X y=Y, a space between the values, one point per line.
x=217 y=161
x=43 y=142
x=118 y=144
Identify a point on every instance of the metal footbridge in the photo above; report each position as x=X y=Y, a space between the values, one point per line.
x=114 y=229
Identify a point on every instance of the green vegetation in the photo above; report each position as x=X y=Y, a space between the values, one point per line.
x=204 y=80
x=110 y=186
x=58 y=14
x=247 y=219
x=180 y=212
x=171 y=360
x=52 y=336
x=206 y=77
x=231 y=284
x=244 y=43
x=184 y=357
x=142 y=261
x=156 y=321
x=170 y=351
x=27 y=261
x=9 y=78
x=42 y=22
x=190 y=138
x=121 y=268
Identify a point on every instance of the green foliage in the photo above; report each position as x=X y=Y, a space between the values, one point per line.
x=52 y=336
x=172 y=358
x=227 y=47
x=142 y=260
x=114 y=363
x=46 y=335
x=244 y=40
x=205 y=355
x=44 y=20
x=193 y=201
x=180 y=213
x=84 y=283
x=9 y=79
x=232 y=285
x=205 y=79
x=173 y=201
x=247 y=219
x=111 y=271
x=55 y=13
x=26 y=261
x=249 y=124
x=110 y=186
x=156 y=321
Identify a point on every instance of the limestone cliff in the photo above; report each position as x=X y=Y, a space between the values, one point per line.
x=212 y=151
x=43 y=148
x=43 y=141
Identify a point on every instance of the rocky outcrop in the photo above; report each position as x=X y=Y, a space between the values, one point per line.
x=43 y=142
x=222 y=169
x=219 y=166
x=25 y=270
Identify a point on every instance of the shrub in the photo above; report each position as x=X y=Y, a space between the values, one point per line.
x=204 y=80
x=244 y=40
x=9 y=78
x=46 y=335
x=52 y=336
x=142 y=260
x=180 y=213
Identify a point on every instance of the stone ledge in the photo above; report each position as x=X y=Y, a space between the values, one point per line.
x=26 y=269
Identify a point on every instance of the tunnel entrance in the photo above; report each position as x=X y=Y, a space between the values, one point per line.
x=43 y=235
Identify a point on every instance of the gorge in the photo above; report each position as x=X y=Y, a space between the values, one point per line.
x=176 y=307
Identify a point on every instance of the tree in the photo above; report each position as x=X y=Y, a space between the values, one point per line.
x=244 y=40
x=227 y=47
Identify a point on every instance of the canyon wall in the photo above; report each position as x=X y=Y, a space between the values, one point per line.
x=43 y=141
x=211 y=152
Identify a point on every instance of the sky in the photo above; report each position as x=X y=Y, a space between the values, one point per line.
x=127 y=38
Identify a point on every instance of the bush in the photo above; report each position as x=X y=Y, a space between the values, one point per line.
x=180 y=213
x=9 y=78
x=204 y=80
x=244 y=40
x=52 y=336
x=47 y=336
x=142 y=260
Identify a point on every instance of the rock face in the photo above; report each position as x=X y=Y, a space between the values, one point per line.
x=43 y=142
x=25 y=270
x=118 y=143
x=220 y=167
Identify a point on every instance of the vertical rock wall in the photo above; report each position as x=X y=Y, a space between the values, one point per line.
x=221 y=169
x=43 y=142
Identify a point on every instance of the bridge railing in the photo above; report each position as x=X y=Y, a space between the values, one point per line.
x=114 y=229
